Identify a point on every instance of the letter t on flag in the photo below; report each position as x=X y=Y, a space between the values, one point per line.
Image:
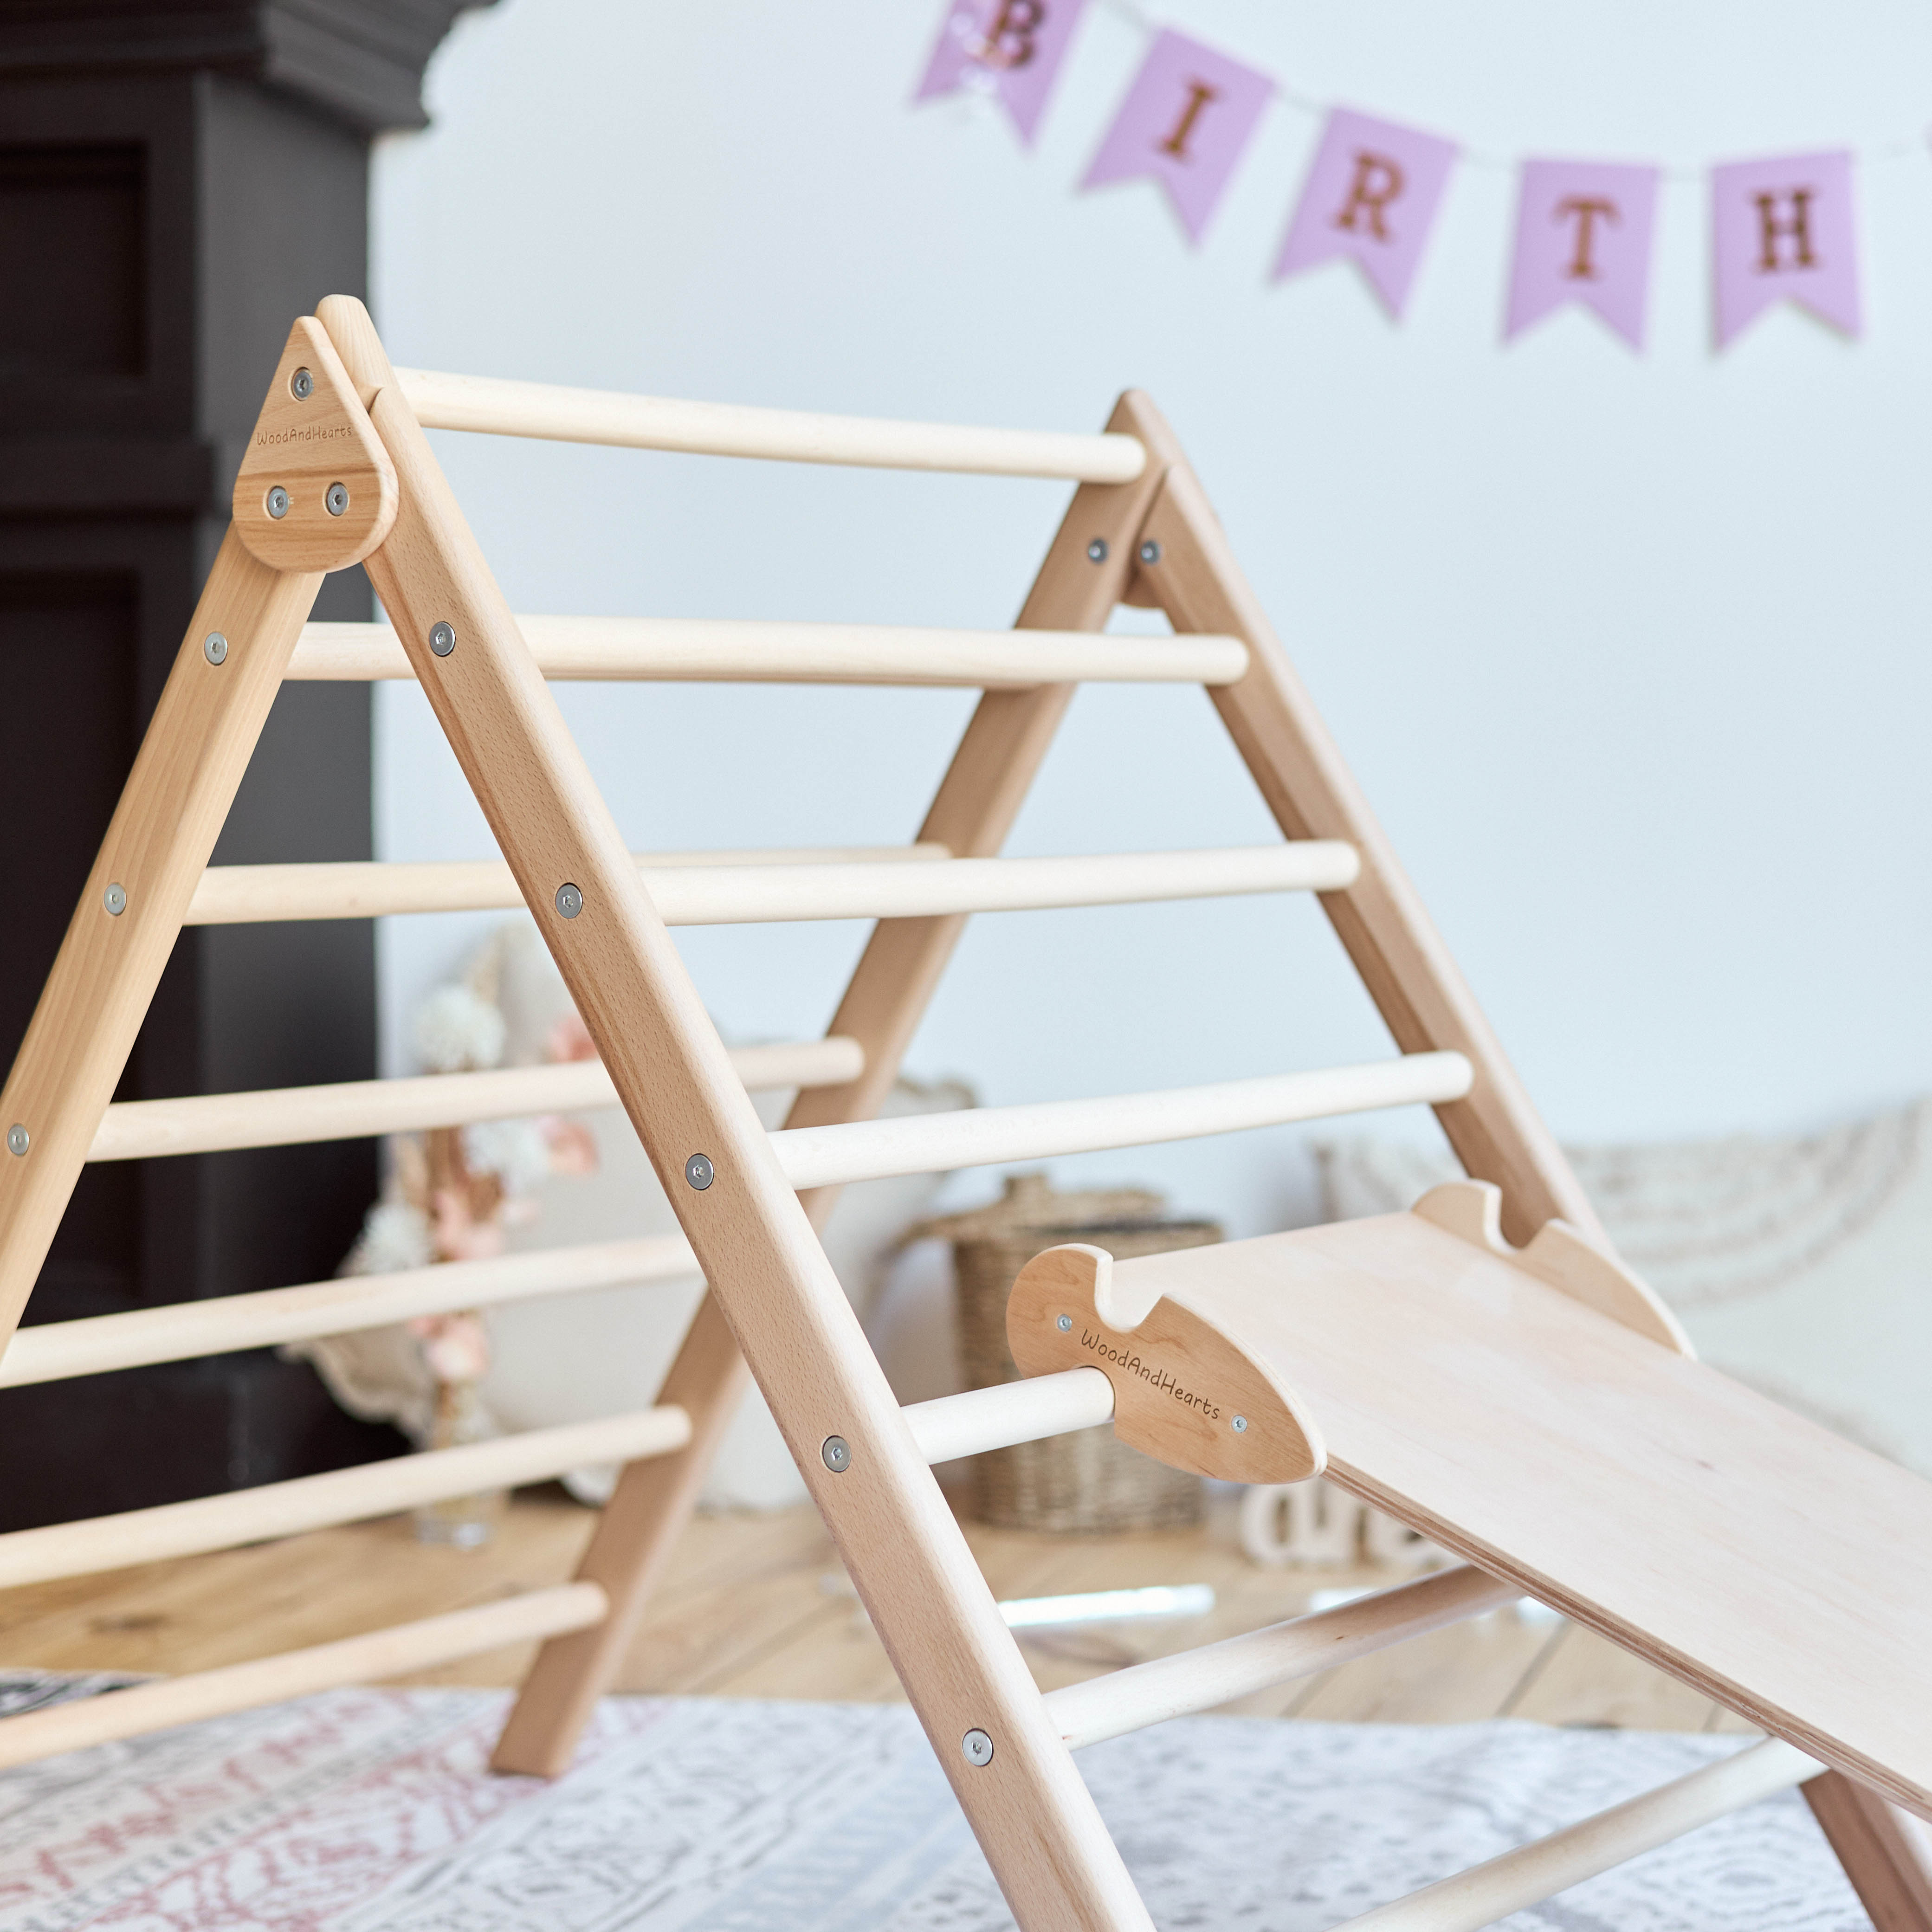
x=1782 y=229
x=1582 y=235
x=1185 y=121
x=1010 y=48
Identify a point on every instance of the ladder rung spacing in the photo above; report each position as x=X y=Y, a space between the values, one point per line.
x=710 y=650
x=978 y=1136
x=367 y=1659
x=544 y=410
x=94 y=1344
x=1203 y=1679
x=352 y=1495
x=349 y=1109
x=1529 y=1875
x=820 y=888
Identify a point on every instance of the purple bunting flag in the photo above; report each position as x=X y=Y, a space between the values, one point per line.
x=1185 y=121
x=1783 y=229
x=1010 y=48
x=1371 y=197
x=1582 y=235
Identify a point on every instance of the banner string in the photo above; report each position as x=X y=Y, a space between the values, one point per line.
x=1878 y=154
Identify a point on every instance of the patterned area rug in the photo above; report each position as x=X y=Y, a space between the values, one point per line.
x=371 y=1811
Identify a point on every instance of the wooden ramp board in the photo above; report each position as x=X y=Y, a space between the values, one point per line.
x=1747 y=1550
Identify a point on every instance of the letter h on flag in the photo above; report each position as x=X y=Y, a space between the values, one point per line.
x=1783 y=230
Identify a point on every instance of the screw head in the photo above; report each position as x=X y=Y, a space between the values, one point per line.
x=699 y=1171
x=1149 y=552
x=978 y=1748
x=443 y=639
x=1065 y=1324
x=1241 y=1425
x=214 y=648
x=115 y=899
x=836 y=1453
x=569 y=901
x=302 y=385
x=278 y=501
x=17 y=1138
x=337 y=498
x=1096 y=550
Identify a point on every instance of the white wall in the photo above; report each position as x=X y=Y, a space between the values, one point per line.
x=1628 y=652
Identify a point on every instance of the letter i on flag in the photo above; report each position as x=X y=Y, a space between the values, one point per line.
x=1010 y=48
x=1371 y=197
x=1783 y=230
x=1582 y=235
x=1184 y=123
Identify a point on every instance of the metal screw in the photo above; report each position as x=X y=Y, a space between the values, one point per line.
x=17 y=1138
x=569 y=901
x=1096 y=550
x=115 y=899
x=978 y=1748
x=301 y=386
x=1149 y=552
x=836 y=1453
x=214 y=648
x=699 y=1171
x=1241 y=1425
x=443 y=639
x=278 y=502
x=1066 y=1324
x=337 y=498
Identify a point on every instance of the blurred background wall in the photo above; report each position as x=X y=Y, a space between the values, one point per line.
x=1627 y=651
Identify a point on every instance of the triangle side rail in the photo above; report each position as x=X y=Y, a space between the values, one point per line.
x=553 y=413
x=821 y=887
x=1187 y=567
x=1037 y=1822
x=725 y=650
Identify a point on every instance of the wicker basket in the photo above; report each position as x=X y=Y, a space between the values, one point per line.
x=1088 y=1480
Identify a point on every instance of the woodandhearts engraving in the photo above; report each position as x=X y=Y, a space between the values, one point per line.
x=1150 y=1373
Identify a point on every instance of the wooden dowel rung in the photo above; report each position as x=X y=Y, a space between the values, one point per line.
x=1487 y=1892
x=823 y=889
x=555 y=414
x=1215 y=1674
x=348 y=1109
x=1027 y=1410
x=978 y=1137
x=367 y=1659
x=337 y=1496
x=723 y=651
x=56 y=1350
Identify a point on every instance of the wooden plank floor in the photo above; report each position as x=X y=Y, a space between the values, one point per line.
x=757 y=1606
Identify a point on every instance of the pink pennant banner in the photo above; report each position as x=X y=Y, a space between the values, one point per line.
x=1783 y=230
x=1582 y=235
x=1371 y=197
x=1009 y=48
x=1184 y=123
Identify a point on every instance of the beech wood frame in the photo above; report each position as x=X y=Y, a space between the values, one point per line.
x=1138 y=530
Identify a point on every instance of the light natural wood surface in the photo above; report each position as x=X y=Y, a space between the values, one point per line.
x=1747 y=1551
x=757 y=1605
x=371 y=889
x=725 y=650
x=53 y=1351
x=1030 y=1810
x=347 y=1109
x=185 y=779
x=742 y=894
x=364 y=1490
x=933 y=1143
x=543 y=409
x=316 y=490
x=997 y=1417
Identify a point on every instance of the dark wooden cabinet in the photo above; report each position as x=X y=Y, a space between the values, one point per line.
x=176 y=185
